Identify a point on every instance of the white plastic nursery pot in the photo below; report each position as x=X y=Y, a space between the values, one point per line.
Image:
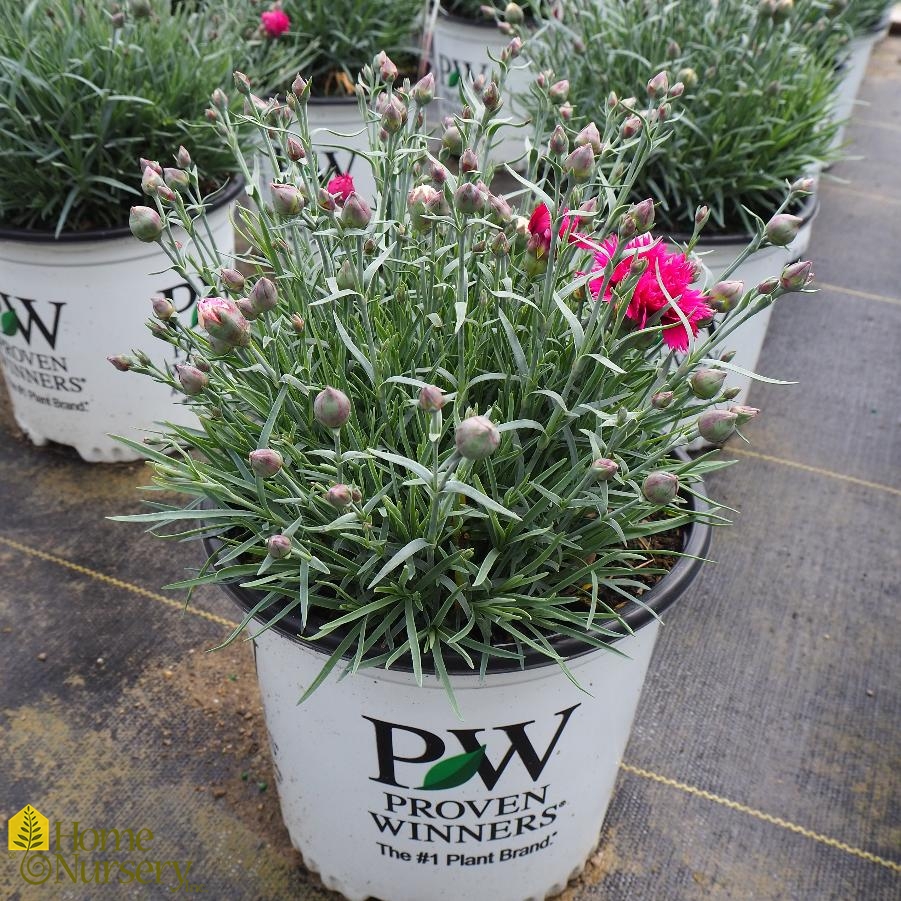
x=718 y=252
x=388 y=795
x=461 y=47
x=69 y=303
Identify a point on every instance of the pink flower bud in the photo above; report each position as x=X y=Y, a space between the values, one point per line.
x=191 y=379
x=331 y=408
x=559 y=142
x=469 y=162
x=580 y=163
x=452 y=140
x=702 y=214
x=431 y=398
x=725 y=295
x=643 y=216
x=232 y=279
x=797 y=276
x=286 y=199
x=278 y=546
x=662 y=399
x=716 y=426
x=500 y=245
x=783 y=228
x=163 y=308
x=420 y=203
x=183 y=158
x=768 y=285
x=423 y=91
x=677 y=90
x=295 y=151
x=150 y=181
x=660 y=487
x=246 y=308
x=356 y=212
x=658 y=85
x=223 y=321
x=631 y=127
x=512 y=50
x=297 y=323
x=300 y=87
x=731 y=392
x=242 y=83
x=468 y=198
x=394 y=115
x=706 y=383
x=266 y=462
x=743 y=414
x=177 y=180
x=219 y=99
x=145 y=224
x=591 y=136
x=476 y=438
x=150 y=164
x=387 y=69
x=513 y=14
x=804 y=185
x=491 y=97
x=263 y=297
x=604 y=469
x=339 y=496
x=559 y=92
x=121 y=362
x=500 y=209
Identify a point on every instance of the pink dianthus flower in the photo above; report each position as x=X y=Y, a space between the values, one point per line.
x=275 y=22
x=341 y=186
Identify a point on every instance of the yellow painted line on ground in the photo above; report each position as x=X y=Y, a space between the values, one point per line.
x=636 y=771
x=853 y=292
x=863 y=195
x=877 y=486
x=761 y=815
x=117 y=583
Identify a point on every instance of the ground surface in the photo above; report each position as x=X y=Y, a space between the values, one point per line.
x=764 y=761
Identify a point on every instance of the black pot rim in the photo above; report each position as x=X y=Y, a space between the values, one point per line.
x=476 y=23
x=232 y=188
x=807 y=212
x=659 y=598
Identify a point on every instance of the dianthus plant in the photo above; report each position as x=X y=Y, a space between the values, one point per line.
x=441 y=425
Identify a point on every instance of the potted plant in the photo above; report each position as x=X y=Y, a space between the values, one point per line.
x=330 y=42
x=467 y=37
x=84 y=97
x=756 y=108
x=439 y=455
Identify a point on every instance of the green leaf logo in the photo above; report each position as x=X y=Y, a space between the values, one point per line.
x=453 y=80
x=194 y=316
x=9 y=323
x=454 y=771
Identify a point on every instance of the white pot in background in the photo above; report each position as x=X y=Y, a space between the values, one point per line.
x=747 y=340
x=853 y=68
x=339 y=138
x=356 y=762
x=461 y=47
x=76 y=301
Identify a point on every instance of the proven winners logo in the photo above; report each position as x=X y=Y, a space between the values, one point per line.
x=416 y=765
x=82 y=856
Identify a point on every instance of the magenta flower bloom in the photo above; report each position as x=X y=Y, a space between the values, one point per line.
x=341 y=186
x=275 y=22
x=676 y=274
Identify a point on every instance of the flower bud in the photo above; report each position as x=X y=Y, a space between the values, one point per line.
x=300 y=88
x=264 y=296
x=431 y=398
x=346 y=277
x=604 y=469
x=673 y=50
x=469 y=199
x=183 y=158
x=219 y=99
x=500 y=246
x=191 y=379
x=702 y=214
x=423 y=91
x=804 y=185
x=660 y=487
x=512 y=50
x=266 y=462
x=727 y=356
x=165 y=193
x=580 y=163
x=387 y=69
x=163 y=308
x=500 y=209
x=662 y=399
x=591 y=136
x=725 y=295
x=232 y=279
x=477 y=437
x=145 y=224
x=295 y=150
x=743 y=414
x=121 y=362
x=150 y=164
x=559 y=142
x=297 y=323
x=452 y=140
x=658 y=86
x=331 y=408
x=643 y=216
x=242 y=83
x=706 y=383
x=768 y=285
x=677 y=90
x=394 y=115
x=469 y=162
x=797 y=276
x=566 y=111
x=783 y=228
x=339 y=496
x=422 y=202
x=223 y=321
x=356 y=212
x=177 y=180
x=688 y=77
x=513 y=14
x=631 y=127
x=246 y=309
x=150 y=181
x=716 y=426
x=278 y=546
x=558 y=92
x=731 y=392
x=286 y=199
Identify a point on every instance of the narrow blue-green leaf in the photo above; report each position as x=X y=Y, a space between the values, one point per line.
x=485 y=568
x=358 y=355
x=455 y=487
x=414 y=467
x=519 y=356
x=407 y=551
